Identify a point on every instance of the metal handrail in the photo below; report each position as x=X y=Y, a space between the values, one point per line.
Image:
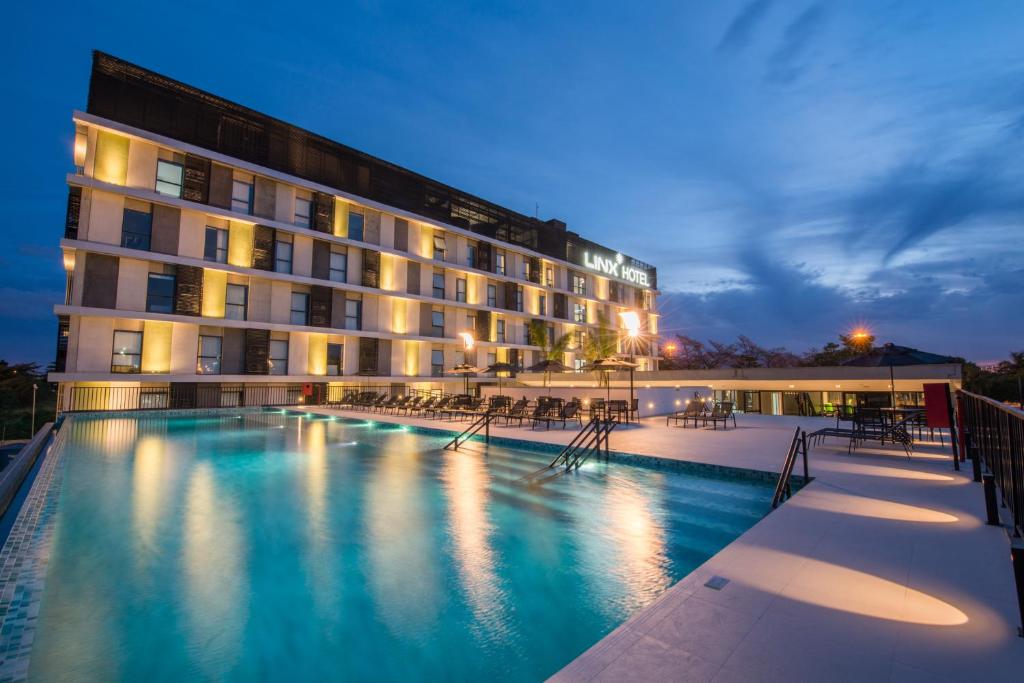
x=992 y=434
x=585 y=443
x=783 y=486
x=482 y=422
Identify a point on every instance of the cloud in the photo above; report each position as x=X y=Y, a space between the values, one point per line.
x=739 y=32
x=787 y=63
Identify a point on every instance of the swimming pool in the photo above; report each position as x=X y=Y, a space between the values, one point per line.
x=281 y=546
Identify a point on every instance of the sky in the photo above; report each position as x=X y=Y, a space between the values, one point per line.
x=793 y=169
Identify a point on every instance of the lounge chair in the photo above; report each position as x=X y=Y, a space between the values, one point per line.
x=435 y=410
x=692 y=411
x=465 y=410
x=423 y=406
x=570 y=412
x=722 y=412
x=516 y=412
x=410 y=405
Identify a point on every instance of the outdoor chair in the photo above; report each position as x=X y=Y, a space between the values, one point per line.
x=434 y=411
x=570 y=412
x=692 y=411
x=516 y=412
x=423 y=406
x=722 y=412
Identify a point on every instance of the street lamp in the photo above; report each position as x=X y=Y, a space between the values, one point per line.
x=631 y=321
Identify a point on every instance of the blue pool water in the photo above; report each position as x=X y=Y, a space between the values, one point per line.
x=280 y=547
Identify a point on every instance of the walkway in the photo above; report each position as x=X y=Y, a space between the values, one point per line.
x=880 y=569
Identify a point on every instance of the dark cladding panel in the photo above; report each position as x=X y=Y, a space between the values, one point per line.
x=369 y=350
x=401 y=234
x=74 y=209
x=100 y=287
x=263 y=248
x=323 y=212
x=371 y=268
x=483 y=325
x=166 y=226
x=321 y=260
x=257 y=352
x=197 y=180
x=188 y=290
x=412 y=277
x=320 y=306
x=221 y=183
x=233 y=352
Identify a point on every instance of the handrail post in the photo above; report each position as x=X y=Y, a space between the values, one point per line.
x=487 y=428
x=803 y=443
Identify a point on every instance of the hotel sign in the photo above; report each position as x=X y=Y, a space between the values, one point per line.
x=616 y=267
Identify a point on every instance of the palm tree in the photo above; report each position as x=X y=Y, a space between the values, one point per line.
x=550 y=349
x=602 y=343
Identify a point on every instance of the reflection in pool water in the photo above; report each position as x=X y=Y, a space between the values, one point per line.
x=275 y=546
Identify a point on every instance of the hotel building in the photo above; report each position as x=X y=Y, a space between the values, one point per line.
x=218 y=256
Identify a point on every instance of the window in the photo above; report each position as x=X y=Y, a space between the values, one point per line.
x=334 y=356
x=355 y=225
x=208 y=362
x=492 y=358
x=579 y=313
x=526 y=334
x=437 y=323
x=160 y=293
x=339 y=266
x=542 y=305
x=500 y=331
x=278 y=357
x=169 y=177
x=235 y=300
x=526 y=269
x=282 y=257
x=551 y=335
x=492 y=296
x=127 y=354
x=499 y=263
x=353 y=314
x=438 y=284
x=300 y=309
x=471 y=256
x=460 y=290
x=578 y=363
x=436 y=363
x=578 y=339
x=241 y=196
x=302 y=212
x=519 y=299
x=579 y=284
x=549 y=276
x=216 y=248
x=440 y=248
x=136 y=228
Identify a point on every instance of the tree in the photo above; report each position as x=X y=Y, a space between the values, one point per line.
x=16 y=382
x=550 y=349
x=690 y=355
x=600 y=344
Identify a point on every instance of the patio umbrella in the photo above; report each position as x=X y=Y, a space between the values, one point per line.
x=612 y=364
x=548 y=366
x=891 y=355
x=500 y=367
x=465 y=369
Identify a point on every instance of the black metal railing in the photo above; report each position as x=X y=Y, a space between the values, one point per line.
x=993 y=435
x=783 y=487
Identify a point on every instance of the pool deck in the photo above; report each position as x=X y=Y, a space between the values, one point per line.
x=881 y=569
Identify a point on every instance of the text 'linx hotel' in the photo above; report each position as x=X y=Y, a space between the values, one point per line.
x=218 y=256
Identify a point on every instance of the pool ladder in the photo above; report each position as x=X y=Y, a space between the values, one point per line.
x=783 y=488
x=482 y=422
x=586 y=443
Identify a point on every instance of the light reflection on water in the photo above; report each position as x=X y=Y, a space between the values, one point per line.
x=281 y=547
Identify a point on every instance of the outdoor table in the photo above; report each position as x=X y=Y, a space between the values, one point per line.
x=618 y=408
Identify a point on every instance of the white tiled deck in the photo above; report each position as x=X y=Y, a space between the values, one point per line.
x=881 y=569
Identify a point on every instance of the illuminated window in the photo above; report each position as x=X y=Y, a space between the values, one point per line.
x=542 y=305
x=499 y=263
x=492 y=296
x=208 y=362
x=460 y=290
x=353 y=314
x=579 y=313
x=169 y=177
x=436 y=363
x=519 y=299
x=549 y=276
x=440 y=248
x=500 y=331
x=437 y=323
x=127 y=353
x=278 y=364
x=579 y=284
x=471 y=256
